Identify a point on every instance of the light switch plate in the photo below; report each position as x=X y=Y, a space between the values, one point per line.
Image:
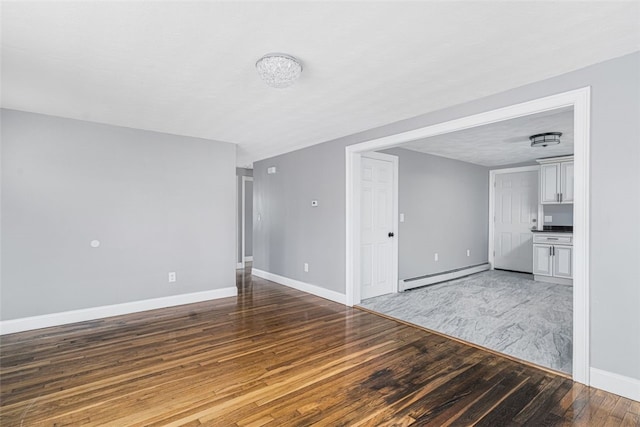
x=401 y=217
x=548 y=218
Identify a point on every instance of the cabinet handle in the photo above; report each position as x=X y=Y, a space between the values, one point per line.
x=550 y=251
x=560 y=197
x=557 y=197
x=553 y=250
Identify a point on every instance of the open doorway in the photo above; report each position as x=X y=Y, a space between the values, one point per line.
x=579 y=101
x=244 y=222
x=466 y=191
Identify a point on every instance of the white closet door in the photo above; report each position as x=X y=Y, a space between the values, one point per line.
x=376 y=208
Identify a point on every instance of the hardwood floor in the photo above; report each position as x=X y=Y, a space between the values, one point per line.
x=275 y=356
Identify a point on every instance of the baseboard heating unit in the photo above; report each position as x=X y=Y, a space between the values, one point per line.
x=430 y=279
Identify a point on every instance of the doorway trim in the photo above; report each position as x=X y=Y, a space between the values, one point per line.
x=580 y=100
x=243 y=220
x=492 y=203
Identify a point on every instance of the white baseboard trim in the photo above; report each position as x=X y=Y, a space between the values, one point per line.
x=248 y=258
x=55 y=319
x=239 y=265
x=302 y=286
x=554 y=280
x=403 y=285
x=614 y=383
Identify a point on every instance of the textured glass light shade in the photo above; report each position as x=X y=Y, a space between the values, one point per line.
x=279 y=69
x=544 y=139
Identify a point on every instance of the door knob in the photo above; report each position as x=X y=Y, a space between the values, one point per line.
x=391 y=234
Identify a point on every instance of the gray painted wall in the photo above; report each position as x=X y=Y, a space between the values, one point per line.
x=157 y=203
x=240 y=172
x=446 y=208
x=292 y=231
x=289 y=232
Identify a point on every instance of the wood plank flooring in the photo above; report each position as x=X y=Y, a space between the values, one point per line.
x=274 y=356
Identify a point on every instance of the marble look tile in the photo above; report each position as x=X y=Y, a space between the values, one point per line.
x=504 y=311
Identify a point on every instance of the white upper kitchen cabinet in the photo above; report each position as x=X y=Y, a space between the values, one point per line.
x=549 y=179
x=566 y=182
x=556 y=180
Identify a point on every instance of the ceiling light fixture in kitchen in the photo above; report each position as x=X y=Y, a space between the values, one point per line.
x=544 y=139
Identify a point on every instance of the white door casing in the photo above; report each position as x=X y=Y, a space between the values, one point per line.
x=243 y=221
x=515 y=215
x=378 y=230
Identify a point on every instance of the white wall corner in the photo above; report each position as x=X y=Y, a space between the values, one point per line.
x=614 y=383
x=56 y=319
x=301 y=286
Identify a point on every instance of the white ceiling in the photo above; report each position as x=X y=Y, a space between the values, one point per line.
x=187 y=68
x=502 y=143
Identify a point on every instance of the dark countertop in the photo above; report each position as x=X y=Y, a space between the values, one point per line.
x=555 y=229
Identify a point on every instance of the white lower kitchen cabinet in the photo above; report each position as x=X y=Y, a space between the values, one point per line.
x=562 y=261
x=542 y=260
x=553 y=258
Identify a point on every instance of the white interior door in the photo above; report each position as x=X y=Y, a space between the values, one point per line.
x=377 y=233
x=516 y=211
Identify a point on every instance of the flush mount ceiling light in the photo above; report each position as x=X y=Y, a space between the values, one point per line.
x=544 y=139
x=279 y=69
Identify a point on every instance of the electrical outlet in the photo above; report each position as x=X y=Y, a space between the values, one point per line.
x=401 y=217
x=468 y=252
x=172 y=277
x=306 y=267
x=435 y=256
x=548 y=218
